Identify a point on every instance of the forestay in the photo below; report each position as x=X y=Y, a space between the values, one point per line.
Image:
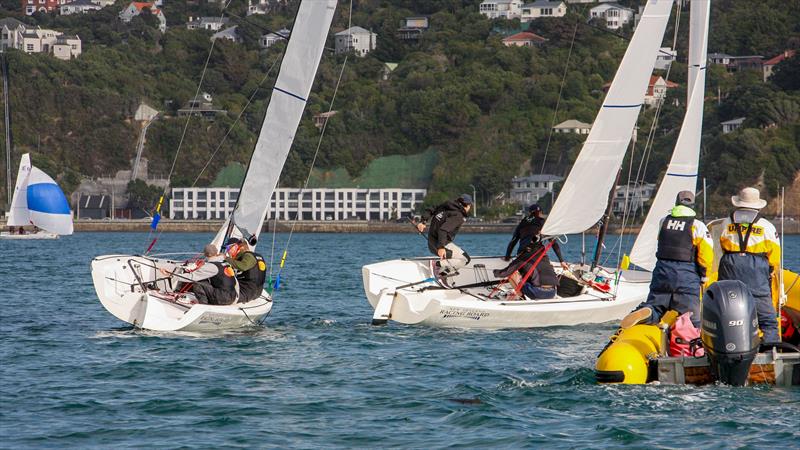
x=288 y=100
x=583 y=199
x=682 y=170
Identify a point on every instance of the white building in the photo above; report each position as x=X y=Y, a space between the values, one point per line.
x=632 y=198
x=501 y=9
x=531 y=188
x=356 y=39
x=135 y=8
x=259 y=7
x=542 y=9
x=206 y=23
x=79 y=7
x=11 y=31
x=657 y=90
x=269 y=39
x=732 y=125
x=573 y=126
x=615 y=16
x=665 y=57
x=67 y=46
x=288 y=203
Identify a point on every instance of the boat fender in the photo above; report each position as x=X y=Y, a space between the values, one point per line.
x=621 y=363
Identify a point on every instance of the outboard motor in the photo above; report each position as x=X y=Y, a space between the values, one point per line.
x=730 y=331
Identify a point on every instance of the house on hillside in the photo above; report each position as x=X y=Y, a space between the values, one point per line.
x=657 y=90
x=322 y=118
x=11 y=31
x=573 y=126
x=614 y=16
x=769 y=65
x=501 y=9
x=207 y=23
x=530 y=189
x=737 y=63
x=542 y=9
x=79 y=7
x=631 y=199
x=67 y=46
x=259 y=7
x=356 y=39
x=524 y=39
x=411 y=28
x=229 y=34
x=665 y=58
x=203 y=106
x=387 y=69
x=33 y=6
x=270 y=39
x=135 y=8
x=732 y=125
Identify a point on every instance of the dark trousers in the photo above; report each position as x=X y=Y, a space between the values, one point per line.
x=209 y=295
x=753 y=270
x=675 y=286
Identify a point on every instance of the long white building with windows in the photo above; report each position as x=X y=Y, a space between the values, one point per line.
x=288 y=203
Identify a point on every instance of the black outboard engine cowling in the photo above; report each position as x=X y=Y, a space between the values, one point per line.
x=730 y=330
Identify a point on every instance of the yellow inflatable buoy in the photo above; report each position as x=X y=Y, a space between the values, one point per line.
x=626 y=359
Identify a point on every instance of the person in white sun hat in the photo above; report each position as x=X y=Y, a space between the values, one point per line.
x=752 y=254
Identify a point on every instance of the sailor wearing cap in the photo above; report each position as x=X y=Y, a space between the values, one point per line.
x=445 y=221
x=684 y=255
x=751 y=253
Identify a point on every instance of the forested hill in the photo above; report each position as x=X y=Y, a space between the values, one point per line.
x=486 y=109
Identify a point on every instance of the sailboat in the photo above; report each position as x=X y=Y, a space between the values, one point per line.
x=408 y=291
x=37 y=201
x=129 y=286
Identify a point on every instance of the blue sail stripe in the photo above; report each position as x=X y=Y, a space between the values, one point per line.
x=622 y=106
x=288 y=93
x=47 y=198
x=681 y=175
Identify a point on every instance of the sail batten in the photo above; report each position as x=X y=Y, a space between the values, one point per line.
x=583 y=199
x=682 y=172
x=287 y=102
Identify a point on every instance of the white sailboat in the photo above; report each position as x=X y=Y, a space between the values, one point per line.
x=129 y=286
x=407 y=291
x=38 y=202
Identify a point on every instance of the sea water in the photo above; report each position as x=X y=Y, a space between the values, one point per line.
x=319 y=375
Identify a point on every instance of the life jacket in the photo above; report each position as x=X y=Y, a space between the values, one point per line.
x=675 y=239
x=225 y=278
x=251 y=281
x=684 y=338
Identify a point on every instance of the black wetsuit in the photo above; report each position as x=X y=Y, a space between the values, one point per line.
x=445 y=221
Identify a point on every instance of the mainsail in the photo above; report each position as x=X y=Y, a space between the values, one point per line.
x=681 y=173
x=583 y=199
x=39 y=201
x=289 y=97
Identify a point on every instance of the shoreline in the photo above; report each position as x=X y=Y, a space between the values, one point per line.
x=309 y=226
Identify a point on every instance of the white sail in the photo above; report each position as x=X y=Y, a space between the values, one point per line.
x=583 y=199
x=18 y=216
x=681 y=173
x=289 y=97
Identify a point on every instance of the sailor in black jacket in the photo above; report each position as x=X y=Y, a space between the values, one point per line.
x=445 y=221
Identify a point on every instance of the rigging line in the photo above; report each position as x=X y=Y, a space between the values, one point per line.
x=319 y=141
x=241 y=113
x=191 y=110
x=560 y=90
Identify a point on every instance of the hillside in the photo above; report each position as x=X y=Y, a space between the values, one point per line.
x=483 y=108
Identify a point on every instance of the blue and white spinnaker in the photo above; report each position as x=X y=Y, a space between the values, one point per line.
x=38 y=201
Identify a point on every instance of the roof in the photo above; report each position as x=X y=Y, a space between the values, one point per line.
x=11 y=22
x=736 y=121
x=542 y=4
x=283 y=33
x=391 y=66
x=607 y=6
x=524 y=36
x=140 y=5
x=94 y=201
x=83 y=3
x=353 y=30
x=572 y=123
x=539 y=177
x=326 y=114
x=776 y=59
x=654 y=80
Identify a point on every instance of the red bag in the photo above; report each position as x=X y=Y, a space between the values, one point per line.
x=684 y=338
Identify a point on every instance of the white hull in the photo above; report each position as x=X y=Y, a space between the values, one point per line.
x=136 y=302
x=27 y=237
x=470 y=308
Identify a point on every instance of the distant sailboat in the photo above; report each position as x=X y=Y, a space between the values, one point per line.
x=130 y=286
x=37 y=201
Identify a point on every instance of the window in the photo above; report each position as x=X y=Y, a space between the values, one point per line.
x=29 y=47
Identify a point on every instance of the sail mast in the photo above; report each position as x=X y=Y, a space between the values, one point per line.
x=7 y=117
x=288 y=100
x=584 y=196
x=681 y=173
